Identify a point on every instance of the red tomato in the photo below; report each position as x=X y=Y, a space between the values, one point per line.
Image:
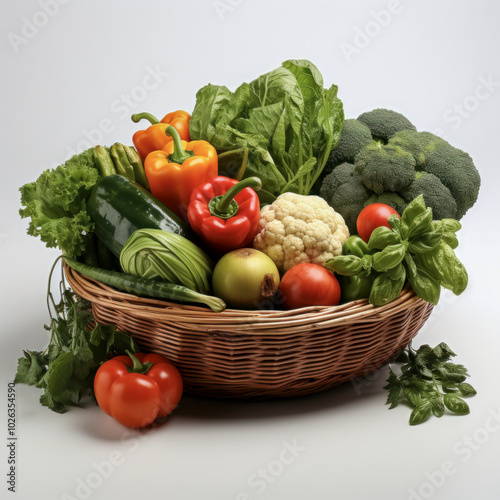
x=371 y=217
x=137 y=398
x=309 y=285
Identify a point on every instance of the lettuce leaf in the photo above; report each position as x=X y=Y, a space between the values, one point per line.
x=56 y=203
x=287 y=119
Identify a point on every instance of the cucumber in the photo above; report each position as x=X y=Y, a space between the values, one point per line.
x=119 y=207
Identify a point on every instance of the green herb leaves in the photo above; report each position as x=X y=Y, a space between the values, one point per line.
x=56 y=204
x=429 y=382
x=66 y=369
x=287 y=119
x=416 y=249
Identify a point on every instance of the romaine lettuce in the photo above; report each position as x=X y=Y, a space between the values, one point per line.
x=286 y=118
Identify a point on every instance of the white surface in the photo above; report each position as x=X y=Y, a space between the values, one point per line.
x=73 y=74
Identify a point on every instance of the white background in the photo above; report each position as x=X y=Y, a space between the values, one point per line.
x=74 y=71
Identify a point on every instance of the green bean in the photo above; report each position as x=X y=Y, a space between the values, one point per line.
x=146 y=287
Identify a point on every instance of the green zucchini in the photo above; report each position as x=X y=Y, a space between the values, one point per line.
x=119 y=207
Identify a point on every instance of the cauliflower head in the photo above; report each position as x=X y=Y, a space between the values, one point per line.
x=297 y=228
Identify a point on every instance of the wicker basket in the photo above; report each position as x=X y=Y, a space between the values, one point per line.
x=264 y=353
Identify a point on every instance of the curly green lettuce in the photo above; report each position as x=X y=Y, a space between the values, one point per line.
x=56 y=203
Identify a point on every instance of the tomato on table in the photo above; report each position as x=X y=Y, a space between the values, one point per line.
x=373 y=216
x=137 y=389
x=309 y=284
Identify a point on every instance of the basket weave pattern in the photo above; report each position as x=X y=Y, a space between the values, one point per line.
x=261 y=353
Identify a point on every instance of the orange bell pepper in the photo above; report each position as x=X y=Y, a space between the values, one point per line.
x=176 y=170
x=154 y=137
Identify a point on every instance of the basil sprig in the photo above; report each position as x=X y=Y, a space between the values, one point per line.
x=417 y=249
x=429 y=383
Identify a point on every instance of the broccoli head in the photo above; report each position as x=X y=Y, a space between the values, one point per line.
x=436 y=195
x=385 y=167
x=354 y=137
x=345 y=192
x=452 y=166
x=395 y=166
x=457 y=172
x=384 y=123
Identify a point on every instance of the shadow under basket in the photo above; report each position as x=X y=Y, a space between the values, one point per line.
x=261 y=353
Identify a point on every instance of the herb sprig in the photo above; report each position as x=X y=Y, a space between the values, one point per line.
x=429 y=383
x=78 y=346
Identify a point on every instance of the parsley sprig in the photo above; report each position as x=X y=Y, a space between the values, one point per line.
x=429 y=383
x=78 y=346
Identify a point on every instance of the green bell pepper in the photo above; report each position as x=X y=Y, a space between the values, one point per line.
x=354 y=245
x=358 y=286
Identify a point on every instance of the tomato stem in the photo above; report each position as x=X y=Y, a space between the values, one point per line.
x=137 y=366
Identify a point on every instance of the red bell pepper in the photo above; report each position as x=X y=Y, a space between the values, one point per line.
x=225 y=213
x=138 y=389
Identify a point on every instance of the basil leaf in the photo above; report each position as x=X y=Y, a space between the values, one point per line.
x=466 y=389
x=453 y=273
x=444 y=265
x=421 y=224
x=385 y=290
x=447 y=225
x=397 y=272
x=437 y=407
x=447 y=228
x=421 y=413
x=346 y=265
x=382 y=237
x=394 y=388
x=395 y=222
x=423 y=284
x=366 y=262
x=449 y=387
x=456 y=404
x=414 y=208
x=426 y=242
x=389 y=257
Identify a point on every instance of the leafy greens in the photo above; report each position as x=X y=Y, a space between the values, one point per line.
x=286 y=118
x=429 y=383
x=66 y=369
x=56 y=204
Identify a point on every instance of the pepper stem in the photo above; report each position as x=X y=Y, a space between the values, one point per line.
x=225 y=206
x=137 y=366
x=147 y=116
x=180 y=155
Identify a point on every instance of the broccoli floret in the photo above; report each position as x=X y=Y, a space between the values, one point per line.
x=456 y=170
x=436 y=195
x=394 y=200
x=453 y=167
x=345 y=192
x=384 y=123
x=417 y=143
x=354 y=137
x=385 y=167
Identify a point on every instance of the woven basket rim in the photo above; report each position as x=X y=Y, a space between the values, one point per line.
x=355 y=311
